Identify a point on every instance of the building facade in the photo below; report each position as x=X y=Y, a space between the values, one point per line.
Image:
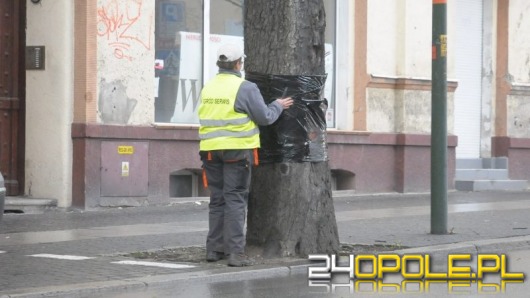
x=104 y=112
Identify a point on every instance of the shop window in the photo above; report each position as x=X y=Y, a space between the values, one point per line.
x=180 y=57
x=178 y=60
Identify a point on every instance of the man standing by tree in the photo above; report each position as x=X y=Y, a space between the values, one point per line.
x=229 y=112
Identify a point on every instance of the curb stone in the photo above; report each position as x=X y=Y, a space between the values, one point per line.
x=156 y=282
x=476 y=246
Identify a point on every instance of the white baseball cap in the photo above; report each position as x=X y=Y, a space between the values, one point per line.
x=229 y=52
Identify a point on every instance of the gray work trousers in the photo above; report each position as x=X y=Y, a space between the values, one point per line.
x=228 y=174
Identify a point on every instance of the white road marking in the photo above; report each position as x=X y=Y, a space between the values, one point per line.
x=61 y=257
x=154 y=264
x=2 y=252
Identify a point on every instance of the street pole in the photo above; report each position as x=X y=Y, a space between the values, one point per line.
x=439 y=119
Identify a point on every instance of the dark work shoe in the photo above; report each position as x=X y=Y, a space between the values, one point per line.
x=214 y=256
x=239 y=260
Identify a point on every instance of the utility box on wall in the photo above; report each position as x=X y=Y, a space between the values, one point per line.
x=124 y=169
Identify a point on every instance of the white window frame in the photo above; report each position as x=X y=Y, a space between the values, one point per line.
x=344 y=65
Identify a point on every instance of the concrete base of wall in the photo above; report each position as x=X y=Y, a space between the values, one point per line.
x=385 y=162
x=363 y=162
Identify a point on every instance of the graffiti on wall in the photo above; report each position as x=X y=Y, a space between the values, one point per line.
x=124 y=26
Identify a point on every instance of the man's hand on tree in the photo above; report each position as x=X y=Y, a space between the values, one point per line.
x=285 y=102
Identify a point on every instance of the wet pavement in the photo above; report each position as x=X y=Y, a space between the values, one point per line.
x=84 y=254
x=297 y=285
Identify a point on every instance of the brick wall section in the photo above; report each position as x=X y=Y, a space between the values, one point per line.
x=85 y=76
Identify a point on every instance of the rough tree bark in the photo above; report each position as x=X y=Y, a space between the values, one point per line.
x=290 y=209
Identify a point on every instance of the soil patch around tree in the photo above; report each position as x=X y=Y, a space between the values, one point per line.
x=197 y=254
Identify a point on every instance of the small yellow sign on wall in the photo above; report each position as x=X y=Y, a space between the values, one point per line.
x=125 y=169
x=125 y=150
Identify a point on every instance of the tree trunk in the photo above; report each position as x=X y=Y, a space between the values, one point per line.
x=290 y=209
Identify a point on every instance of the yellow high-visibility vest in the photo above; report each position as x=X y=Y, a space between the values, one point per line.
x=221 y=127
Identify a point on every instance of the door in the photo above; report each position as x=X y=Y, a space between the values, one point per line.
x=12 y=85
x=468 y=95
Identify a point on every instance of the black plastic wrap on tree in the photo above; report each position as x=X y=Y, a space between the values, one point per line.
x=299 y=135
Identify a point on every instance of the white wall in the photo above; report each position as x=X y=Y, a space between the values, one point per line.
x=519 y=43
x=49 y=100
x=519 y=68
x=488 y=78
x=383 y=37
x=126 y=58
x=400 y=38
x=399 y=46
